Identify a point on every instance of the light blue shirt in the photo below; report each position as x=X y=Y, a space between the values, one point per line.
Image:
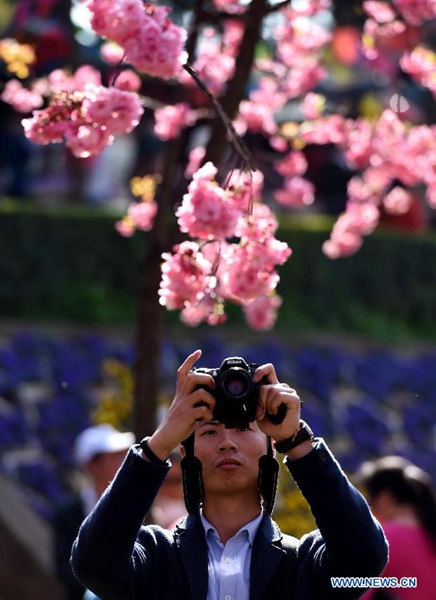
x=229 y=564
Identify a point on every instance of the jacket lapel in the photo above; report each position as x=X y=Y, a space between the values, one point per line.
x=265 y=558
x=191 y=542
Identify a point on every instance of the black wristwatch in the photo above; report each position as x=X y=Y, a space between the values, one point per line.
x=303 y=434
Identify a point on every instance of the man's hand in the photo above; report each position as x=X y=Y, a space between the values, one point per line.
x=185 y=412
x=271 y=396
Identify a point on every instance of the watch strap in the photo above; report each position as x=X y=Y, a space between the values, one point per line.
x=301 y=435
x=143 y=444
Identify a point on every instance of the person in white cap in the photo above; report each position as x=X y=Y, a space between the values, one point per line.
x=98 y=453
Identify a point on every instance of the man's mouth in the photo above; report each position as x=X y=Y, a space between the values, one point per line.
x=228 y=463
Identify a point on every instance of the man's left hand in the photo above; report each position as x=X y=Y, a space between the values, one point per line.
x=272 y=395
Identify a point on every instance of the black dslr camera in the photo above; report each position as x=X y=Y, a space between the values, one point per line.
x=236 y=394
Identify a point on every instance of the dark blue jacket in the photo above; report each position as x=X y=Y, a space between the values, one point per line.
x=119 y=559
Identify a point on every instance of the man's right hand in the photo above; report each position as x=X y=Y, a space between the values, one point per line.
x=191 y=405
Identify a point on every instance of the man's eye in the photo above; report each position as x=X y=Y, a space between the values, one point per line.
x=209 y=432
x=246 y=428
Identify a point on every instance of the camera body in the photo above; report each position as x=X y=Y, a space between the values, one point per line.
x=236 y=394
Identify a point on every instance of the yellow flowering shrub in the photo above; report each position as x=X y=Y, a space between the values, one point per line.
x=292 y=511
x=116 y=401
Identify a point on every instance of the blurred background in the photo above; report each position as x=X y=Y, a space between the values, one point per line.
x=355 y=337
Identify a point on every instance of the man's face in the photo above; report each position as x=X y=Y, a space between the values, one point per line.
x=230 y=458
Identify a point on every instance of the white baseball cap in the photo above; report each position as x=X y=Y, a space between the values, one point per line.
x=100 y=439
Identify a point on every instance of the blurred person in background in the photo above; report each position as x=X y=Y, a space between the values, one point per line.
x=169 y=505
x=402 y=498
x=98 y=454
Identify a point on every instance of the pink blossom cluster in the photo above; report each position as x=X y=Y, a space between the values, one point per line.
x=151 y=42
x=241 y=271
x=26 y=99
x=297 y=192
x=416 y=12
x=325 y=130
x=420 y=64
x=207 y=211
x=299 y=37
x=293 y=163
x=312 y=105
x=195 y=159
x=303 y=77
x=140 y=215
x=170 y=120
x=346 y=236
x=209 y=310
x=80 y=111
x=398 y=201
x=230 y=6
x=128 y=80
x=413 y=12
x=295 y=72
x=386 y=152
x=186 y=276
x=388 y=22
x=245 y=188
x=87 y=120
x=261 y=314
x=257 y=113
x=249 y=268
x=215 y=60
x=111 y=53
x=20 y=98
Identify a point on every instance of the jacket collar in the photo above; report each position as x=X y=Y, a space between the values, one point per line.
x=191 y=542
x=267 y=553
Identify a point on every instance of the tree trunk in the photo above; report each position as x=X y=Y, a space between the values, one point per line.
x=149 y=329
x=237 y=87
x=147 y=346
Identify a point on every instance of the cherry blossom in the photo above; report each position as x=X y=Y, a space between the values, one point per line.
x=420 y=64
x=294 y=163
x=128 y=80
x=185 y=276
x=398 y=201
x=20 y=98
x=207 y=211
x=195 y=158
x=231 y=253
x=296 y=192
x=170 y=120
x=261 y=313
x=115 y=109
x=208 y=310
x=87 y=120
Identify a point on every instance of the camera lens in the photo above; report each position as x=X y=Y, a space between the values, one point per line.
x=236 y=384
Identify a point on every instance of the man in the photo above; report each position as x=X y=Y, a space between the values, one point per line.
x=228 y=548
x=99 y=451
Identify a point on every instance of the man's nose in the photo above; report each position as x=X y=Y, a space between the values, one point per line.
x=227 y=440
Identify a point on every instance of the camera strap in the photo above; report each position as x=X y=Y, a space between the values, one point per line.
x=268 y=478
x=192 y=477
x=193 y=491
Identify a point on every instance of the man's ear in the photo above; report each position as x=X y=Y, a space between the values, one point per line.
x=182 y=451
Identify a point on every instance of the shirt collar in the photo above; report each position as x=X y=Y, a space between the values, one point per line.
x=251 y=528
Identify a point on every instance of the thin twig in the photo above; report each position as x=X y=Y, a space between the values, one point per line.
x=237 y=141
